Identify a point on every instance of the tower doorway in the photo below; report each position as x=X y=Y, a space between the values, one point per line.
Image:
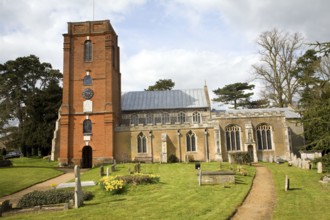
x=87 y=157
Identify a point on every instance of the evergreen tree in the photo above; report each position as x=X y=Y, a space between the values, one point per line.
x=162 y=85
x=27 y=88
x=234 y=94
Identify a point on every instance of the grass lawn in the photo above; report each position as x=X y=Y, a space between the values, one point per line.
x=307 y=199
x=177 y=196
x=24 y=173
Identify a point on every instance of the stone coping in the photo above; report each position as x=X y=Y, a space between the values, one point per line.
x=72 y=184
x=221 y=172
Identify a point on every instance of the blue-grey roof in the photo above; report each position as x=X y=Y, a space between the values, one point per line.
x=288 y=112
x=170 y=99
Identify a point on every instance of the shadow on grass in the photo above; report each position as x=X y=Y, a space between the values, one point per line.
x=292 y=189
x=238 y=180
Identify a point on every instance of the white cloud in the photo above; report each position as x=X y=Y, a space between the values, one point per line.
x=187 y=68
x=188 y=41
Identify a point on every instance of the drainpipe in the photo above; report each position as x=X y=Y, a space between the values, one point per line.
x=206 y=145
x=179 y=144
x=151 y=148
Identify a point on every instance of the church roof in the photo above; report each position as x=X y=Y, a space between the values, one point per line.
x=169 y=99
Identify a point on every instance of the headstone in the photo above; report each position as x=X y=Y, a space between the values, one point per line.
x=78 y=198
x=137 y=168
x=299 y=163
x=101 y=170
x=197 y=166
x=114 y=162
x=113 y=167
x=199 y=177
x=107 y=171
x=319 y=167
x=287 y=183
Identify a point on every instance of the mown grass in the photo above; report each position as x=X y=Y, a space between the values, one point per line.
x=177 y=196
x=33 y=162
x=25 y=172
x=307 y=197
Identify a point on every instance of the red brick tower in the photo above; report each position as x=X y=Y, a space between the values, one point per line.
x=91 y=94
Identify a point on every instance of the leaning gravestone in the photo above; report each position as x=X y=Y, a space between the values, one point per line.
x=78 y=198
x=287 y=183
x=101 y=170
x=319 y=167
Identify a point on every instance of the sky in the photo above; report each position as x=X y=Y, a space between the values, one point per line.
x=192 y=42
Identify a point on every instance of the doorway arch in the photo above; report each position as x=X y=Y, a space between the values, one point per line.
x=87 y=157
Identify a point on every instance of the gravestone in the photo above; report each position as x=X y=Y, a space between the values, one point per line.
x=107 y=171
x=101 y=170
x=299 y=163
x=287 y=183
x=113 y=167
x=137 y=168
x=197 y=166
x=78 y=197
x=319 y=167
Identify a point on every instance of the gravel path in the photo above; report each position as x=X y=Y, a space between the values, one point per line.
x=14 y=198
x=261 y=200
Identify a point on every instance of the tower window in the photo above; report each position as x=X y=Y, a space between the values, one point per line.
x=88 y=51
x=88 y=80
x=87 y=127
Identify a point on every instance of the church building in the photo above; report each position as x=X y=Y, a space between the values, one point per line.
x=98 y=123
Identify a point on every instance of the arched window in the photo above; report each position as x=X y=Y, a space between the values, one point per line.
x=197 y=117
x=141 y=143
x=87 y=127
x=165 y=118
x=181 y=117
x=88 y=51
x=88 y=80
x=134 y=120
x=191 y=141
x=150 y=119
x=264 y=137
x=233 y=138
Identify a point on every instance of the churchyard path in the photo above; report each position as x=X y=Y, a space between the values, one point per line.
x=257 y=205
x=261 y=200
x=43 y=186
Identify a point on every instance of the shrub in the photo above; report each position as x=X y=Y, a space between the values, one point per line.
x=173 y=159
x=117 y=184
x=139 y=178
x=325 y=162
x=112 y=184
x=49 y=197
x=5 y=163
x=241 y=157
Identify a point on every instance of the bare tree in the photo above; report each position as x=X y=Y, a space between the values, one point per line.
x=278 y=54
